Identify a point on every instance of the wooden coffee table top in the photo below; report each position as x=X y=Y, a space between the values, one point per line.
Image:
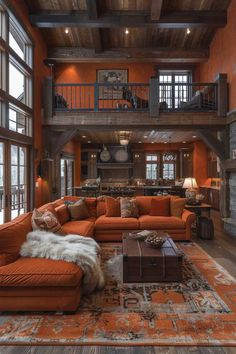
x=137 y=248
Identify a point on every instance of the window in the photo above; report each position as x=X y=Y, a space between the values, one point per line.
x=16 y=114
x=152 y=162
x=67 y=176
x=169 y=165
x=173 y=88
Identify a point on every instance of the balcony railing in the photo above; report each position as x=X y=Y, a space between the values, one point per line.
x=101 y=97
x=153 y=97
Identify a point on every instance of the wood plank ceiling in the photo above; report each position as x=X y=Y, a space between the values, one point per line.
x=144 y=137
x=157 y=28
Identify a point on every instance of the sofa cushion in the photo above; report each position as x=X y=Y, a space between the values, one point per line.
x=177 y=206
x=90 y=202
x=45 y=220
x=129 y=208
x=79 y=227
x=30 y=272
x=144 y=204
x=78 y=210
x=62 y=214
x=13 y=234
x=113 y=207
x=160 y=222
x=160 y=206
x=101 y=205
x=116 y=223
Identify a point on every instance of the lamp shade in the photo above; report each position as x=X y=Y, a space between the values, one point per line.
x=190 y=182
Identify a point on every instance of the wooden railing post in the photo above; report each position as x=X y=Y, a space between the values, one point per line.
x=48 y=97
x=153 y=97
x=222 y=95
x=96 y=96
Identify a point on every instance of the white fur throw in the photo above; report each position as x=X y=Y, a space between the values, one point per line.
x=83 y=251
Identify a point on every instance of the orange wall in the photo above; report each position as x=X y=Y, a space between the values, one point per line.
x=223 y=56
x=200 y=162
x=75 y=73
x=40 y=70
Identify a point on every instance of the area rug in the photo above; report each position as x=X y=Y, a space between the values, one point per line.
x=199 y=311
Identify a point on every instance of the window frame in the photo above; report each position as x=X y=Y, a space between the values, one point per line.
x=10 y=20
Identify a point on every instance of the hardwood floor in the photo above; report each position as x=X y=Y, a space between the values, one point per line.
x=222 y=249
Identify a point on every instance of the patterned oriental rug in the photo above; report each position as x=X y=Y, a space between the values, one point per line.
x=199 y=311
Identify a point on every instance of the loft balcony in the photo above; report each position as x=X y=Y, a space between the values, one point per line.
x=83 y=103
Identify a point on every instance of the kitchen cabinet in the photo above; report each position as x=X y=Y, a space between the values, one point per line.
x=212 y=165
x=139 y=164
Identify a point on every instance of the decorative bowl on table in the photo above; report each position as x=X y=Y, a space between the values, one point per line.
x=155 y=241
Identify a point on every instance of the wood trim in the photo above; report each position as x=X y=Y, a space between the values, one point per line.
x=156 y=6
x=15 y=137
x=180 y=19
x=153 y=55
x=6 y=97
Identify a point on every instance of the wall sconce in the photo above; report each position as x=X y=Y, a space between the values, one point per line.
x=40 y=170
x=136 y=156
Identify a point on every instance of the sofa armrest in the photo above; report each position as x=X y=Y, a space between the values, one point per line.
x=189 y=217
x=6 y=258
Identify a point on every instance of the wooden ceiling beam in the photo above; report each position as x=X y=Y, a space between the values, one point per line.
x=157 y=55
x=96 y=32
x=116 y=19
x=156 y=6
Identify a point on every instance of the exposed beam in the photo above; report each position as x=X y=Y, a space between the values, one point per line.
x=154 y=55
x=54 y=142
x=133 y=120
x=156 y=6
x=213 y=143
x=96 y=32
x=181 y=19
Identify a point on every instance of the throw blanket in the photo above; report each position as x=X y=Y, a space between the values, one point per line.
x=83 y=251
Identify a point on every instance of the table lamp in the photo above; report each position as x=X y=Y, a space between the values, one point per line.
x=191 y=185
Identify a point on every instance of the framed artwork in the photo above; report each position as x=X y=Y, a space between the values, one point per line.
x=114 y=77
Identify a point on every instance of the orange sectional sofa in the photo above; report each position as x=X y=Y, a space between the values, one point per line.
x=34 y=284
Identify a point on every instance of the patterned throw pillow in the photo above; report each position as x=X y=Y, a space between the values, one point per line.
x=45 y=220
x=78 y=210
x=129 y=208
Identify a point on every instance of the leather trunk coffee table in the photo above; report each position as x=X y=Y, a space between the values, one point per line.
x=145 y=264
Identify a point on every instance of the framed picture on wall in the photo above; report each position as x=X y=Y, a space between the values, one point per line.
x=115 y=78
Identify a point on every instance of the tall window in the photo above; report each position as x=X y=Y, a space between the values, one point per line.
x=152 y=162
x=16 y=115
x=67 y=176
x=173 y=88
x=169 y=165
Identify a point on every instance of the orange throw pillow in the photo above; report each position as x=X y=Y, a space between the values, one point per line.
x=112 y=207
x=160 y=206
x=45 y=220
x=177 y=206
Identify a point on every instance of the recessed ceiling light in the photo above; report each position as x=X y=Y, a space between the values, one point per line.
x=194 y=136
x=66 y=30
x=126 y=31
x=89 y=142
x=84 y=136
x=140 y=142
x=145 y=136
x=184 y=142
x=165 y=142
x=188 y=31
x=152 y=142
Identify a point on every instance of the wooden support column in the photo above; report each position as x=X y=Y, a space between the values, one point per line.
x=48 y=97
x=222 y=95
x=213 y=143
x=153 y=97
